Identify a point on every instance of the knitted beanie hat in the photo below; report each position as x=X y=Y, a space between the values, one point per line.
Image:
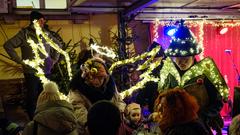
x=49 y=93
x=35 y=15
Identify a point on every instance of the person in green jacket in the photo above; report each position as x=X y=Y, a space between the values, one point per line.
x=200 y=79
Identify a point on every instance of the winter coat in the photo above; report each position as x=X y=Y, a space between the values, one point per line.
x=53 y=118
x=195 y=127
x=20 y=41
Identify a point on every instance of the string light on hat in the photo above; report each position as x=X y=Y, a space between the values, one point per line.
x=200 y=24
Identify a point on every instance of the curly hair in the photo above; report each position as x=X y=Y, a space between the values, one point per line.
x=175 y=106
x=234 y=128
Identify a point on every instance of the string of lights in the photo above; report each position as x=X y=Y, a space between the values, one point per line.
x=206 y=66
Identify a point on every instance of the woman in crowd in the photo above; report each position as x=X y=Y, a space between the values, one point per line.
x=90 y=84
x=176 y=113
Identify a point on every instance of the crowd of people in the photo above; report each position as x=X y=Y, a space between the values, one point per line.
x=94 y=106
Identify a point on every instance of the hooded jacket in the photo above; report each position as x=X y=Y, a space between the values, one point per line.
x=53 y=118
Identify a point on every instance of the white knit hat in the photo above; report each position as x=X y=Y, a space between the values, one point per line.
x=49 y=93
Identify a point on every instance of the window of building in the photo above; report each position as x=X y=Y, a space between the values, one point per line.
x=49 y=4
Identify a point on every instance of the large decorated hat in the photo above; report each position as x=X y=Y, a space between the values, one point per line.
x=183 y=43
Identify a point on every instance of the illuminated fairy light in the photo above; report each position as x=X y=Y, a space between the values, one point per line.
x=38 y=62
x=155 y=30
x=62 y=96
x=54 y=46
x=200 y=24
x=104 y=51
x=168 y=68
x=137 y=58
x=201 y=33
x=139 y=85
x=146 y=77
x=205 y=66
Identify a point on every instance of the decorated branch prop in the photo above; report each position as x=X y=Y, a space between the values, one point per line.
x=145 y=77
x=104 y=51
x=38 y=62
x=137 y=58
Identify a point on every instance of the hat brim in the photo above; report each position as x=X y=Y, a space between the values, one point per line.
x=183 y=49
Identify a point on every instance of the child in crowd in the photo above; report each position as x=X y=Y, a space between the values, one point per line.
x=132 y=118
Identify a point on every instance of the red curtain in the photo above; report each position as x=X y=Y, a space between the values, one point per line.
x=217 y=47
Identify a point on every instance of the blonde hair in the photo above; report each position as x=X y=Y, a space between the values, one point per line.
x=131 y=107
x=49 y=93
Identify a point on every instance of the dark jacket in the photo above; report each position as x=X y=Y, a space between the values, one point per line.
x=20 y=41
x=53 y=118
x=195 y=127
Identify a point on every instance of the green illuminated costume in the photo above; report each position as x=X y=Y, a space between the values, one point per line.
x=202 y=80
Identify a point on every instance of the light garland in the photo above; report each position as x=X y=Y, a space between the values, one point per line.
x=205 y=66
x=134 y=59
x=103 y=51
x=168 y=68
x=38 y=62
x=201 y=33
x=54 y=46
x=155 y=30
x=146 y=77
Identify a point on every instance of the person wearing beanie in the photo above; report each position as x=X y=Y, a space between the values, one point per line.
x=32 y=82
x=53 y=116
x=49 y=93
x=35 y=15
x=92 y=83
x=200 y=79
